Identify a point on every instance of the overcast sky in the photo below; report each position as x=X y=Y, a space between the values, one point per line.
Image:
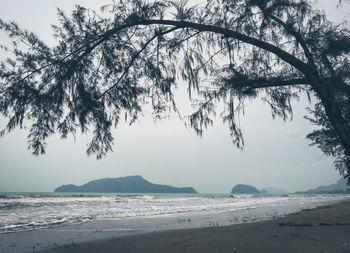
x=276 y=154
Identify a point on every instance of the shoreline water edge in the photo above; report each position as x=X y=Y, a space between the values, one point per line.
x=322 y=229
x=188 y=227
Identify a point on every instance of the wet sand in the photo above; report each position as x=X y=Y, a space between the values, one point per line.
x=324 y=229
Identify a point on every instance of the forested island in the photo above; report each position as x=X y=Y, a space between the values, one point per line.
x=130 y=184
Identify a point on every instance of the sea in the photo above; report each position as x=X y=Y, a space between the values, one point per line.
x=54 y=219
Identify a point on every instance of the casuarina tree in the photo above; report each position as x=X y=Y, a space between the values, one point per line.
x=106 y=66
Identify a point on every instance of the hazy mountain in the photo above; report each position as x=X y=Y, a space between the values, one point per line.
x=339 y=187
x=244 y=189
x=130 y=184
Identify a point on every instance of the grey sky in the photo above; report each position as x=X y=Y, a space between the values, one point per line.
x=276 y=152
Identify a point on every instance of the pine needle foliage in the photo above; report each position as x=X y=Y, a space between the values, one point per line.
x=105 y=67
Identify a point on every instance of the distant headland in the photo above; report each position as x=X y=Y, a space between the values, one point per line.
x=340 y=187
x=130 y=184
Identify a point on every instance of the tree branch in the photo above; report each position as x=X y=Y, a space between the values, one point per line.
x=285 y=56
x=295 y=34
x=134 y=58
x=267 y=83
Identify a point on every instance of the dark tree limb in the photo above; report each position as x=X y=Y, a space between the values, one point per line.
x=135 y=57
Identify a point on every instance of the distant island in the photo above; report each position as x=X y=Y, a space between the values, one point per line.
x=248 y=189
x=244 y=189
x=130 y=184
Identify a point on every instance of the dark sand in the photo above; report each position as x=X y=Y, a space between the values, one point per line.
x=324 y=229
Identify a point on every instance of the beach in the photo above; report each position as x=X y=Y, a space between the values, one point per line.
x=323 y=229
x=51 y=222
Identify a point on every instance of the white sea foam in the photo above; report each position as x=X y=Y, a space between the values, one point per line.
x=20 y=212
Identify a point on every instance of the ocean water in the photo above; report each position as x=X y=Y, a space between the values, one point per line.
x=37 y=211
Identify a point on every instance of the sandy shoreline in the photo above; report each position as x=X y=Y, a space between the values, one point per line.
x=323 y=229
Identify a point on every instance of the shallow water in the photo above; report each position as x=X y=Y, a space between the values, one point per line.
x=31 y=211
x=38 y=221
